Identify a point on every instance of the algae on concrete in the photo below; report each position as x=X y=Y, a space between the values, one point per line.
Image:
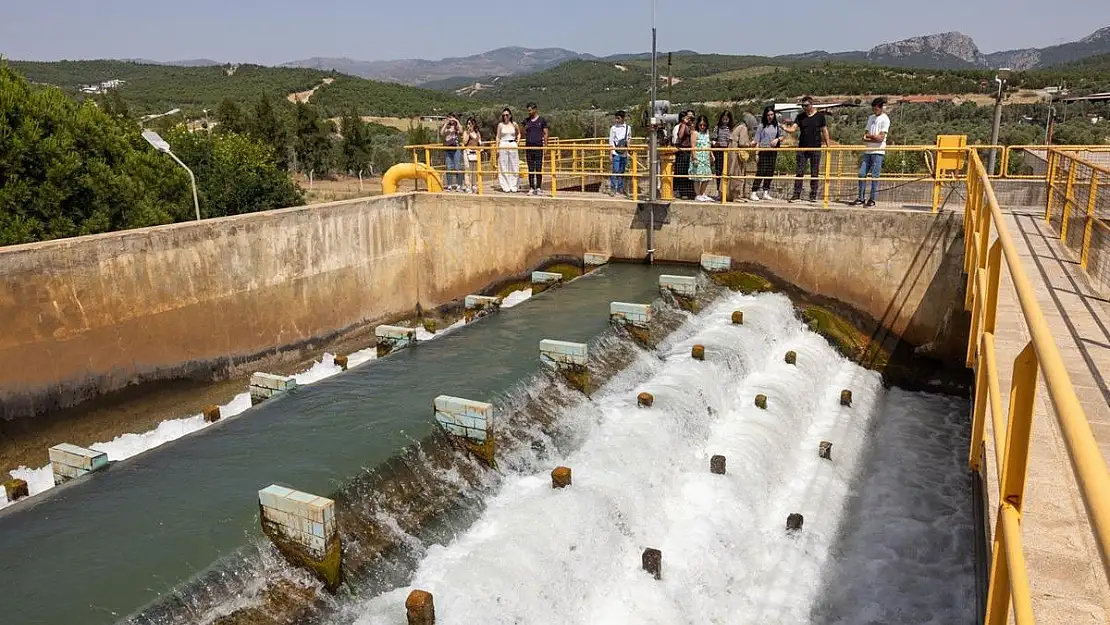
x=743 y=281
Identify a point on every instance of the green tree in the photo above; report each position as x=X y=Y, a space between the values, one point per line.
x=312 y=141
x=269 y=127
x=231 y=117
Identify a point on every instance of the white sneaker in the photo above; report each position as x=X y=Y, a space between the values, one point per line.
x=754 y=197
x=767 y=195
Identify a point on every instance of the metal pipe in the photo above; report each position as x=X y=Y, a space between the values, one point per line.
x=192 y=180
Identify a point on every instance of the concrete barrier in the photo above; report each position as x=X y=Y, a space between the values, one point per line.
x=738 y=317
x=715 y=262
x=652 y=562
x=468 y=423
x=392 y=338
x=304 y=528
x=717 y=465
x=824 y=450
x=645 y=400
x=686 y=286
x=570 y=359
x=846 y=398
x=543 y=280
x=70 y=461
x=263 y=386
x=478 y=306
x=340 y=361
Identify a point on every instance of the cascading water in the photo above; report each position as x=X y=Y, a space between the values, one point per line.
x=641 y=479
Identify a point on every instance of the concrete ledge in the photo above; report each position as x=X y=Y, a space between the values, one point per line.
x=304 y=528
x=546 y=277
x=637 y=315
x=595 y=259
x=392 y=338
x=266 y=385
x=465 y=418
x=563 y=353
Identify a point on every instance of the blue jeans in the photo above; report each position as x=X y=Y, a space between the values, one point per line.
x=870 y=164
x=620 y=165
x=453 y=163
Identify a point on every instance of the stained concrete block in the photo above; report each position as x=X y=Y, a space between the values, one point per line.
x=16 y=489
x=393 y=338
x=265 y=385
x=715 y=262
x=546 y=277
x=595 y=259
x=70 y=461
x=304 y=528
x=686 y=286
x=474 y=302
x=638 y=315
x=563 y=353
x=465 y=418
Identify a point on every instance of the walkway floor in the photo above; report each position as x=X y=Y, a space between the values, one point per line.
x=1066 y=573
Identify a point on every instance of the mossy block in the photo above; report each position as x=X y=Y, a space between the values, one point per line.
x=717 y=465
x=761 y=401
x=429 y=325
x=794 y=522
x=642 y=336
x=419 y=608
x=513 y=287
x=211 y=413
x=16 y=489
x=697 y=352
x=645 y=400
x=341 y=362
x=743 y=281
x=686 y=303
x=854 y=344
x=568 y=271
x=328 y=569
x=578 y=378
x=560 y=477
x=791 y=358
x=845 y=397
x=738 y=317
x=384 y=349
x=824 y=450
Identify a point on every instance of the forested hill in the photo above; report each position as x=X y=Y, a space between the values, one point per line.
x=149 y=88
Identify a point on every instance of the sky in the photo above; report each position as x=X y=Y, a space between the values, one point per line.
x=275 y=31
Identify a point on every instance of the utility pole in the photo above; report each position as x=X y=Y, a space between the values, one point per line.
x=653 y=146
x=1000 y=78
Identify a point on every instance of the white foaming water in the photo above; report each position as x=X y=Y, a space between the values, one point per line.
x=641 y=479
x=128 y=445
x=516 y=297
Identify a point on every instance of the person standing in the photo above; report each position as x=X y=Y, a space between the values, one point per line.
x=535 y=139
x=472 y=140
x=768 y=136
x=722 y=138
x=874 y=138
x=738 y=159
x=813 y=133
x=683 y=185
x=620 y=136
x=508 y=159
x=701 y=162
x=450 y=133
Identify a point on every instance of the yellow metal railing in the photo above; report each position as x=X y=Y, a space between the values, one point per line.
x=1009 y=581
x=582 y=163
x=1079 y=207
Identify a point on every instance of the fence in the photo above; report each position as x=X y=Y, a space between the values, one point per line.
x=1079 y=209
x=984 y=255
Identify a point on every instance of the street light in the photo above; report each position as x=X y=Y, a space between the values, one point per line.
x=161 y=145
x=1000 y=77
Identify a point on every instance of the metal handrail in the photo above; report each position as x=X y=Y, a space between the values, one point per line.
x=1009 y=583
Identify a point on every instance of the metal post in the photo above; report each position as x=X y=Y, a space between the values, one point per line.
x=192 y=180
x=653 y=146
x=994 y=129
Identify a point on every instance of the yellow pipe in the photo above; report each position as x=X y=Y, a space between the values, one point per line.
x=409 y=171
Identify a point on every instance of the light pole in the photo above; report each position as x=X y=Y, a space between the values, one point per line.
x=161 y=145
x=1000 y=78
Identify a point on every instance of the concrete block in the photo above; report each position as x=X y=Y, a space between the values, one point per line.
x=70 y=461
x=652 y=562
x=393 y=338
x=303 y=526
x=686 y=286
x=563 y=353
x=474 y=302
x=636 y=315
x=211 y=413
x=265 y=385
x=560 y=477
x=546 y=277
x=715 y=262
x=465 y=418
x=595 y=259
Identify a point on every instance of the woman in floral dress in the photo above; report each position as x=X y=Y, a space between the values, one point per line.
x=701 y=164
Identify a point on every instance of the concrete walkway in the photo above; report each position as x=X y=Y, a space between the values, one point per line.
x=1066 y=573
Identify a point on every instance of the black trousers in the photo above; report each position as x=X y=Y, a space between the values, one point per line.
x=764 y=169
x=683 y=187
x=813 y=157
x=535 y=168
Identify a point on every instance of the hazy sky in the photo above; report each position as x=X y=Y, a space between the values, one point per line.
x=274 y=31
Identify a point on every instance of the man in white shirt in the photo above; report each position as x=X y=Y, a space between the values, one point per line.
x=620 y=135
x=878 y=125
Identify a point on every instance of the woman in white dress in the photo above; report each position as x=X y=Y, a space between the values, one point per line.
x=508 y=159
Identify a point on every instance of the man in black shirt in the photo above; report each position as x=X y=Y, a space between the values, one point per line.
x=535 y=136
x=814 y=134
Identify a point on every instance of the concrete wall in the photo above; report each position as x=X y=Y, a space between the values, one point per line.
x=226 y=296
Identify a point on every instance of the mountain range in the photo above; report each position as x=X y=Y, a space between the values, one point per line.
x=952 y=50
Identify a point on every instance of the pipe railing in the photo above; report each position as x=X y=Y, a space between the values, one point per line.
x=1009 y=584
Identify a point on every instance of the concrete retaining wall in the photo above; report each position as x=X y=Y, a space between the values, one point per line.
x=229 y=296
